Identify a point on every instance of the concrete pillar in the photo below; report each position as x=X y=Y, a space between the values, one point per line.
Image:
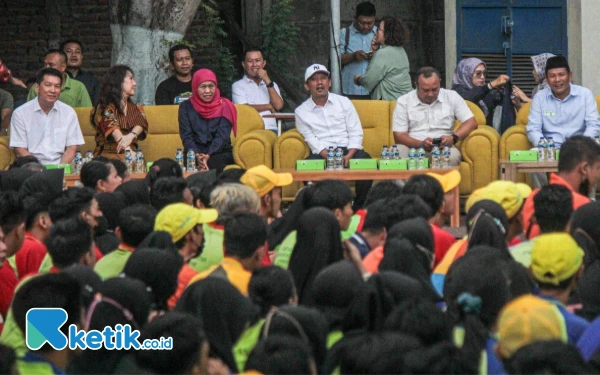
x=590 y=53
x=450 y=23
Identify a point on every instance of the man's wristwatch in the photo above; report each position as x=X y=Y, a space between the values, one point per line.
x=455 y=138
x=271 y=84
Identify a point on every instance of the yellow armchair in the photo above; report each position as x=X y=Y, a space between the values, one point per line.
x=7 y=156
x=254 y=144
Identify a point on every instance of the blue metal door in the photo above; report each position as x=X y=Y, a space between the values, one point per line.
x=506 y=33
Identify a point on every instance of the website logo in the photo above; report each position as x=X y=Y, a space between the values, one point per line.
x=43 y=325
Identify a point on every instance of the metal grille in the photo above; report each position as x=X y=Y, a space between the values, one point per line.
x=522 y=68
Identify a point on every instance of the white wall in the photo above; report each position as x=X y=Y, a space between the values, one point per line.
x=590 y=48
x=450 y=36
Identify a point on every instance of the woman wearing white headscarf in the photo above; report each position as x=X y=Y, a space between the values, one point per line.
x=539 y=71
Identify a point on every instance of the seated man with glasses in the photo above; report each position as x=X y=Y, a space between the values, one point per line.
x=469 y=81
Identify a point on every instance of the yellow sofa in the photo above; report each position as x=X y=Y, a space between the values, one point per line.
x=479 y=150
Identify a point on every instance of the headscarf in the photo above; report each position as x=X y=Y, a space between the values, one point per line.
x=159 y=239
x=283 y=226
x=487 y=224
x=539 y=64
x=307 y=324
x=463 y=76
x=13 y=179
x=88 y=280
x=135 y=191
x=224 y=313
x=47 y=182
x=411 y=259
x=318 y=245
x=217 y=107
x=416 y=230
x=158 y=269
x=334 y=290
x=377 y=298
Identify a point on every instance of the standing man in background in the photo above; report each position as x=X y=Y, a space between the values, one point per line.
x=74 y=51
x=355 y=49
x=178 y=87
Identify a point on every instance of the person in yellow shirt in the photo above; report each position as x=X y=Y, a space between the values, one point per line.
x=244 y=242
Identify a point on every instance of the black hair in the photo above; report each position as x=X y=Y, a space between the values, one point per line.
x=94 y=171
x=384 y=190
x=72 y=202
x=330 y=194
x=135 y=223
x=244 y=233
x=426 y=72
x=553 y=207
x=205 y=192
x=281 y=354
x=119 y=166
x=163 y=167
x=406 y=207
x=12 y=211
x=68 y=241
x=177 y=47
x=51 y=290
x=395 y=31
x=69 y=41
x=487 y=224
x=547 y=357
x=421 y=318
x=62 y=54
x=39 y=78
x=34 y=206
x=253 y=49
x=111 y=91
x=22 y=160
x=8 y=360
x=88 y=280
x=232 y=175
x=158 y=269
x=575 y=150
x=556 y=62
x=378 y=217
x=188 y=339
x=271 y=286
x=428 y=188
x=167 y=190
x=563 y=285
x=366 y=9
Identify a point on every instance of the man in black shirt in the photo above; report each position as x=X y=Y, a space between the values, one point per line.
x=178 y=87
x=74 y=51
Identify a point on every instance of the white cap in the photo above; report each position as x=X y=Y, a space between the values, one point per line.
x=314 y=68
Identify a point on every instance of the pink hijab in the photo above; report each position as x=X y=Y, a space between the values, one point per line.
x=217 y=107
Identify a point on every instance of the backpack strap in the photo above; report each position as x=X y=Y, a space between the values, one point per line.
x=347 y=39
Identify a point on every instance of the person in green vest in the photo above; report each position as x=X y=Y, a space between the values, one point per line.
x=72 y=92
x=228 y=199
x=48 y=291
x=134 y=224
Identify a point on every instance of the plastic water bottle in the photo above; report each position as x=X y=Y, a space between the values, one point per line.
x=191 y=161
x=446 y=157
x=77 y=162
x=129 y=161
x=385 y=153
x=139 y=162
x=339 y=162
x=550 y=150
x=435 y=158
x=412 y=159
x=89 y=155
x=395 y=153
x=179 y=159
x=542 y=145
x=330 y=158
x=422 y=157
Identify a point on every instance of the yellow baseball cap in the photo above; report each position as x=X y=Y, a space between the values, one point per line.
x=528 y=319
x=179 y=218
x=448 y=181
x=262 y=179
x=508 y=194
x=555 y=257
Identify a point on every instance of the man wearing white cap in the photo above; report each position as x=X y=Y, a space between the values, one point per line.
x=329 y=120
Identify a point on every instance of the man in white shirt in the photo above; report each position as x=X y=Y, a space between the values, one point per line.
x=256 y=88
x=428 y=113
x=46 y=127
x=326 y=120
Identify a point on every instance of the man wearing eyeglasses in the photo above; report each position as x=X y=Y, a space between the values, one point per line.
x=426 y=116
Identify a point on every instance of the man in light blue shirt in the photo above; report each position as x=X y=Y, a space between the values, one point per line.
x=355 y=49
x=562 y=109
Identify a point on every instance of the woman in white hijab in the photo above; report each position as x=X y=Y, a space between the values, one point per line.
x=539 y=71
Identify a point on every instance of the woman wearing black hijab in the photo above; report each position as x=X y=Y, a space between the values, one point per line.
x=224 y=313
x=318 y=244
x=12 y=179
x=111 y=205
x=47 y=182
x=120 y=300
x=488 y=224
x=135 y=191
x=283 y=226
x=405 y=253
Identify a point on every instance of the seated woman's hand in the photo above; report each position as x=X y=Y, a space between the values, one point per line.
x=202 y=160
x=500 y=81
x=125 y=142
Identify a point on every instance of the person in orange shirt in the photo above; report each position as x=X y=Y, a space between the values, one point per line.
x=244 y=242
x=578 y=170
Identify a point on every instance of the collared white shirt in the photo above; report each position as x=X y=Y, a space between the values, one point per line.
x=246 y=91
x=45 y=136
x=433 y=120
x=336 y=124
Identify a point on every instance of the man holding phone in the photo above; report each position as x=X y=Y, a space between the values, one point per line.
x=426 y=115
